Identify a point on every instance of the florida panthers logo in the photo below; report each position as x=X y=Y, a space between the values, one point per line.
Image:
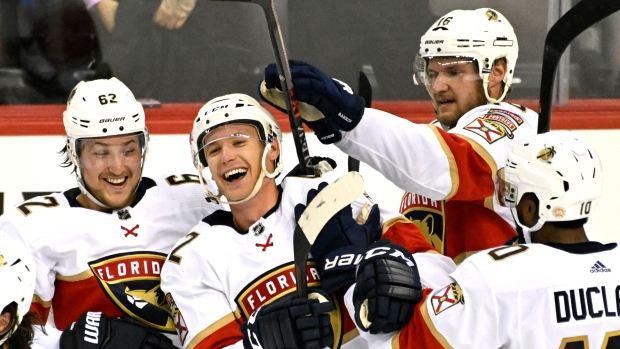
x=132 y=282
x=427 y=215
x=545 y=155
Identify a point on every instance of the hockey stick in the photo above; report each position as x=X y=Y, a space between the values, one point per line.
x=333 y=198
x=292 y=107
x=579 y=18
x=365 y=90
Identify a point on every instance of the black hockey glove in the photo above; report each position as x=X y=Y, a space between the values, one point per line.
x=340 y=243
x=325 y=164
x=387 y=289
x=332 y=99
x=94 y=330
x=291 y=323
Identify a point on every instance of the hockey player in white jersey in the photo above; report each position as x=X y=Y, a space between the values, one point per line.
x=237 y=267
x=100 y=247
x=17 y=277
x=559 y=290
x=466 y=61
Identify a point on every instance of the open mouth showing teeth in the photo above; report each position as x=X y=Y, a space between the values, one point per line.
x=235 y=174
x=116 y=181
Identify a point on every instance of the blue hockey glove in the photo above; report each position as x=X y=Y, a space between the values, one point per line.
x=321 y=96
x=291 y=322
x=387 y=288
x=340 y=243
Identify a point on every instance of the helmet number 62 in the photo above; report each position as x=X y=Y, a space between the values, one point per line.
x=109 y=98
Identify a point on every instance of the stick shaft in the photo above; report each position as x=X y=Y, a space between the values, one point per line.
x=579 y=18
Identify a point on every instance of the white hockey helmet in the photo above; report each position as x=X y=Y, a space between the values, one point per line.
x=561 y=169
x=17 y=277
x=234 y=108
x=102 y=108
x=483 y=34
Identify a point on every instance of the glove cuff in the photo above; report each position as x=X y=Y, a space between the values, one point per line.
x=325 y=131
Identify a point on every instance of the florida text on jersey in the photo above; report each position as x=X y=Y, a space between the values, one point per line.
x=217 y=276
x=111 y=261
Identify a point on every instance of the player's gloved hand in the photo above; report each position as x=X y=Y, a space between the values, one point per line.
x=387 y=288
x=324 y=164
x=290 y=323
x=327 y=105
x=340 y=243
x=172 y=14
x=111 y=333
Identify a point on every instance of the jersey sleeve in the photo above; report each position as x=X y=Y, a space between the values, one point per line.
x=462 y=314
x=429 y=161
x=202 y=314
x=459 y=314
x=15 y=224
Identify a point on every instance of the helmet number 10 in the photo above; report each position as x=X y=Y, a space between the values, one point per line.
x=105 y=99
x=585 y=207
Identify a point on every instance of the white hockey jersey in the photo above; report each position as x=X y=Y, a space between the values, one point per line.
x=449 y=175
x=521 y=296
x=216 y=276
x=90 y=260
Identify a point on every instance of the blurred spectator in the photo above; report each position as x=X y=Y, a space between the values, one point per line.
x=182 y=51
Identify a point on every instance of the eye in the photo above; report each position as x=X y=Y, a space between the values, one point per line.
x=128 y=152
x=212 y=151
x=239 y=142
x=101 y=153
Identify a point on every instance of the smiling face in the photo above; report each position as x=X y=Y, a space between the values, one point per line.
x=234 y=157
x=455 y=87
x=111 y=168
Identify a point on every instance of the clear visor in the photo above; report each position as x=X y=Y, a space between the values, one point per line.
x=506 y=192
x=427 y=70
x=111 y=151
x=213 y=147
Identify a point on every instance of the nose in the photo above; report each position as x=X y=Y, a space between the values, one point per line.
x=228 y=153
x=115 y=162
x=440 y=83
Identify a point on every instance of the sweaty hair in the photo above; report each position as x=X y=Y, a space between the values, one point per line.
x=23 y=336
x=66 y=157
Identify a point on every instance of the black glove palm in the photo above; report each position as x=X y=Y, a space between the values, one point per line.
x=387 y=288
x=291 y=323
x=111 y=333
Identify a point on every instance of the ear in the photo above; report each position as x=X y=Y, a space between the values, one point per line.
x=527 y=209
x=274 y=152
x=5 y=322
x=498 y=72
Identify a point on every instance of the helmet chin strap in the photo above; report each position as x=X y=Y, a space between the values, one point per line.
x=527 y=231
x=88 y=194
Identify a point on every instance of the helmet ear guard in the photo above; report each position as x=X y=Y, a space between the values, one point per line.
x=483 y=34
x=562 y=170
